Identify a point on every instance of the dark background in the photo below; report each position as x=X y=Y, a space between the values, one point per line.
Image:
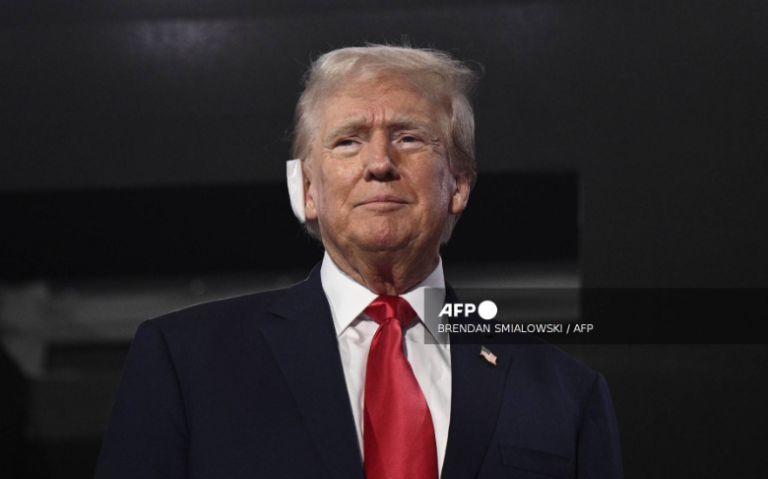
x=146 y=140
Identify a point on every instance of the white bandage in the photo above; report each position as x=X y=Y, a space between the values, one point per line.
x=296 y=187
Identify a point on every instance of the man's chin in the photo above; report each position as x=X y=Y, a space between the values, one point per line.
x=382 y=242
x=382 y=247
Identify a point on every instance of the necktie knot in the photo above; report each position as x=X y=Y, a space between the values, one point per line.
x=387 y=307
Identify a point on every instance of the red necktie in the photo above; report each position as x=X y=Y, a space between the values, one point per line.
x=398 y=436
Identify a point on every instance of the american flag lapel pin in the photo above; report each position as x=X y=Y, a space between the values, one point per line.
x=488 y=355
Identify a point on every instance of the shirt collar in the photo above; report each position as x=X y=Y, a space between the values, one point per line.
x=348 y=298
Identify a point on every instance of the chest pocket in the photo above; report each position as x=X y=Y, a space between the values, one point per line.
x=538 y=462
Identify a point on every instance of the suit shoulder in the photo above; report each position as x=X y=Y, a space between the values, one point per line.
x=212 y=316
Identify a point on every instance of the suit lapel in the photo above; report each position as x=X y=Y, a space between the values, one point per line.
x=477 y=391
x=305 y=346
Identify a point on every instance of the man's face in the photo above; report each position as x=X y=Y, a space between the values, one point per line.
x=378 y=178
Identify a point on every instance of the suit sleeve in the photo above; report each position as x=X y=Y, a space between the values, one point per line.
x=599 y=449
x=147 y=434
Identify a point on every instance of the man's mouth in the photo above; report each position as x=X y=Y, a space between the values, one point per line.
x=382 y=199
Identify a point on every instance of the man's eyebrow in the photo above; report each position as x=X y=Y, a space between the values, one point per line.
x=349 y=126
x=411 y=123
x=397 y=123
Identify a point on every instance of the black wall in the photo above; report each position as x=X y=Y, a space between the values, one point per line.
x=660 y=106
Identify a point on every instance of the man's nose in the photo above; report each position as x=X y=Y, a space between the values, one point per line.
x=380 y=161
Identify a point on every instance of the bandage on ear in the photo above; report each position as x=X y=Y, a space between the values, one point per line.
x=295 y=179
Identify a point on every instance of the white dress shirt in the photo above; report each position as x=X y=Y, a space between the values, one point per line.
x=431 y=363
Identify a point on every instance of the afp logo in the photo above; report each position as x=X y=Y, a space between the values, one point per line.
x=486 y=310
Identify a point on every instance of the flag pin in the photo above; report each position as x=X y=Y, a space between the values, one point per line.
x=488 y=355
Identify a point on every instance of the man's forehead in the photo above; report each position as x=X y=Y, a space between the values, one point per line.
x=386 y=117
x=363 y=110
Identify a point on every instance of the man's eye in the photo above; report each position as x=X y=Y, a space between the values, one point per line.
x=345 y=143
x=410 y=139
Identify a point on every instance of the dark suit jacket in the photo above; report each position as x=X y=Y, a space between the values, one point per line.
x=253 y=387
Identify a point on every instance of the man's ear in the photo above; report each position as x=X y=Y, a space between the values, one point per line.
x=310 y=212
x=460 y=195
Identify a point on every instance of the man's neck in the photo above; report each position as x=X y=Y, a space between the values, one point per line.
x=386 y=273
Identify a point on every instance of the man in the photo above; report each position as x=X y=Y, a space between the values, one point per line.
x=332 y=377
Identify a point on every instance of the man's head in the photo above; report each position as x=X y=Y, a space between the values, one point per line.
x=386 y=138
